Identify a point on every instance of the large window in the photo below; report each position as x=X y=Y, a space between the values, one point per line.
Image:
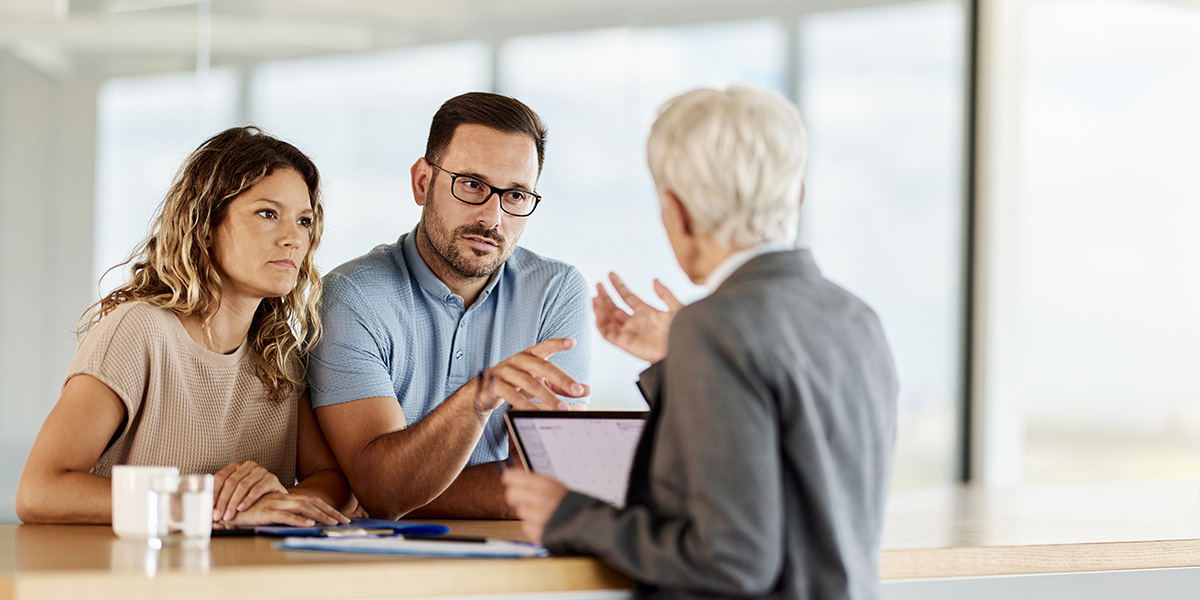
x=598 y=92
x=883 y=95
x=1106 y=354
x=363 y=119
x=146 y=128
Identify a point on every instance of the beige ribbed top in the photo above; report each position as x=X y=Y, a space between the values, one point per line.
x=188 y=407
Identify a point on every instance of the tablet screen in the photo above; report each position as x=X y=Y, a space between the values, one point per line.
x=590 y=453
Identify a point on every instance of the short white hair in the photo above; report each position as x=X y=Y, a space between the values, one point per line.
x=736 y=159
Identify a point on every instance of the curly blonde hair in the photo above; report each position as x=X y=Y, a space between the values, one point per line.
x=173 y=267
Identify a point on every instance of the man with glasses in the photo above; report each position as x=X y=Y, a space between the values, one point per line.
x=412 y=329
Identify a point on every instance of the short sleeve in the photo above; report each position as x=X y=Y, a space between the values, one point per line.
x=349 y=362
x=568 y=315
x=118 y=351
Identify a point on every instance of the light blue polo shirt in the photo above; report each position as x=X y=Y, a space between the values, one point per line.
x=392 y=328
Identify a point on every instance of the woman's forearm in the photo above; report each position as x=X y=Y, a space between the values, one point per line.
x=329 y=485
x=64 y=497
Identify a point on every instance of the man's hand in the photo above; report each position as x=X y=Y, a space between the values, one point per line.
x=534 y=498
x=643 y=333
x=240 y=485
x=282 y=508
x=528 y=375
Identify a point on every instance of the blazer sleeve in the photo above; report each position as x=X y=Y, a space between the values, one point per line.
x=650 y=383
x=716 y=454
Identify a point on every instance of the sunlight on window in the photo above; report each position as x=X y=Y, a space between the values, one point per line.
x=883 y=95
x=1107 y=353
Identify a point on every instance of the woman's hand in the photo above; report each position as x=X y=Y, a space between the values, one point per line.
x=238 y=486
x=642 y=333
x=534 y=498
x=282 y=508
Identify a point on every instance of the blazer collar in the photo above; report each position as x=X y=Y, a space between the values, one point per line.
x=791 y=263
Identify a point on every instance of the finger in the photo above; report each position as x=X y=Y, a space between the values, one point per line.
x=243 y=489
x=549 y=347
x=219 y=480
x=608 y=316
x=306 y=506
x=260 y=489
x=286 y=517
x=221 y=508
x=626 y=294
x=255 y=475
x=530 y=385
x=521 y=401
x=606 y=302
x=527 y=487
x=673 y=303
x=587 y=389
x=319 y=511
x=523 y=404
x=543 y=370
x=332 y=512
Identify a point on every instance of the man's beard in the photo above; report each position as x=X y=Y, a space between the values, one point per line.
x=467 y=264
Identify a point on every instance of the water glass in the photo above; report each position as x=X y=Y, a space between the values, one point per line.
x=181 y=509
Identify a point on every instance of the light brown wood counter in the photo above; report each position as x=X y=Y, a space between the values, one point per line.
x=942 y=533
x=1060 y=528
x=73 y=562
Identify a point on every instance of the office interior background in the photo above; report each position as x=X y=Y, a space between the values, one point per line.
x=1012 y=185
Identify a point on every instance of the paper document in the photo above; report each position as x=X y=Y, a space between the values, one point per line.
x=401 y=547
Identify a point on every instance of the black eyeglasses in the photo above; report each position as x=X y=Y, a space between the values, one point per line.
x=518 y=203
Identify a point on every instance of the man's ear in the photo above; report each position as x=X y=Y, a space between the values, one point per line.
x=674 y=209
x=422 y=175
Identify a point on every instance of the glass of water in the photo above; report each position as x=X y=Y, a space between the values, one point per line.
x=180 y=510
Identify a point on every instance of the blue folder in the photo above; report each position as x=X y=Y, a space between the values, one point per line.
x=396 y=527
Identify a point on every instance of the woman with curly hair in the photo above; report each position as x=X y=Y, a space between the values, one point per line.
x=196 y=362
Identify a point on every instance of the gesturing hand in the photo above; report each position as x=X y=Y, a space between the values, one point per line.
x=240 y=485
x=643 y=333
x=527 y=375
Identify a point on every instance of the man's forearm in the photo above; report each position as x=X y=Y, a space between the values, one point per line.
x=405 y=469
x=476 y=494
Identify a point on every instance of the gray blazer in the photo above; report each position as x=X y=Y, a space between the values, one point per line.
x=764 y=467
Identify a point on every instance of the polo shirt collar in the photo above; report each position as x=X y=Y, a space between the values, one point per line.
x=430 y=282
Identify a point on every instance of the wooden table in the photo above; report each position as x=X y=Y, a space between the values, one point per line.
x=943 y=533
x=76 y=562
x=1062 y=528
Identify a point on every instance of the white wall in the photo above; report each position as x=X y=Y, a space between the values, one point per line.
x=47 y=167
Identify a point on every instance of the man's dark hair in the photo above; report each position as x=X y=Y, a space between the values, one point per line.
x=490 y=110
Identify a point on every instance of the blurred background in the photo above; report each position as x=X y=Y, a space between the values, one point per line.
x=1012 y=185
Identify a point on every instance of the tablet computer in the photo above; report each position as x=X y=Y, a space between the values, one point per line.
x=589 y=452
